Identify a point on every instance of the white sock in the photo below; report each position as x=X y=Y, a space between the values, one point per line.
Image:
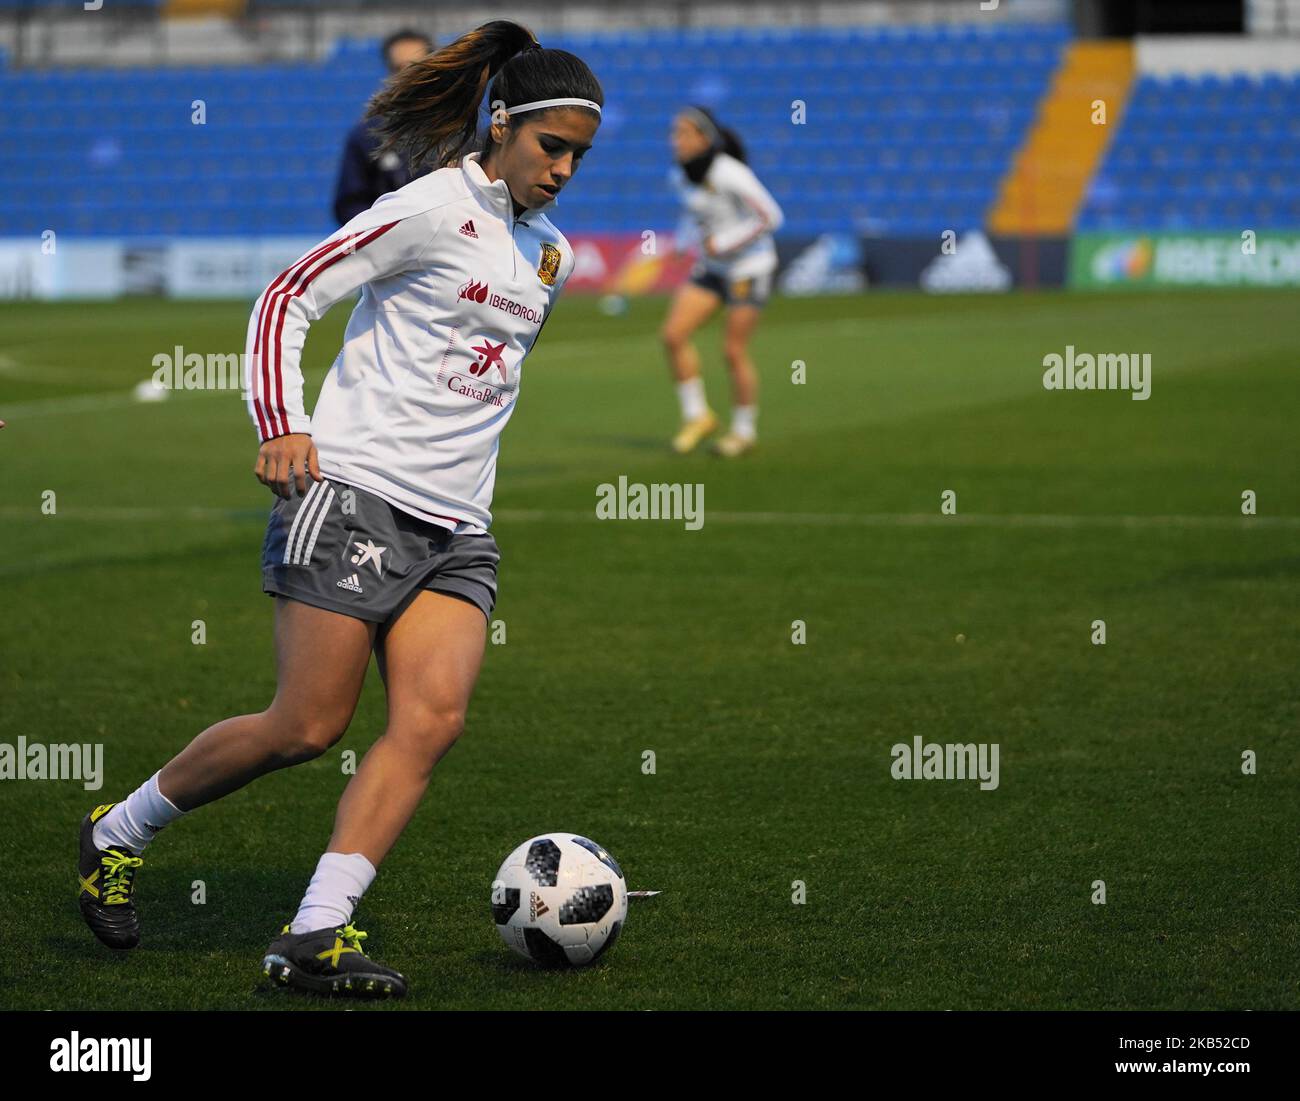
x=742 y=421
x=340 y=881
x=135 y=821
x=691 y=395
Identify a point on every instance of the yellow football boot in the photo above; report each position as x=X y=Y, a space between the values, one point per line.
x=731 y=445
x=693 y=431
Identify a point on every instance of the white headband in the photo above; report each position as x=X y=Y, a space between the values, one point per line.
x=537 y=105
x=705 y=124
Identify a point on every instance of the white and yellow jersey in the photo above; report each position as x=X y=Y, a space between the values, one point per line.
x=733 y=210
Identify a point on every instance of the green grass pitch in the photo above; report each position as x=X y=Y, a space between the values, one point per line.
x=1120 y=763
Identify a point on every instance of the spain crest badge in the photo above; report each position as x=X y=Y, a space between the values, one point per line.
x=549 y=267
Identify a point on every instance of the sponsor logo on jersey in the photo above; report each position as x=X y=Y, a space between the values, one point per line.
x=474 y=291
x=459 y=385
x=488 y=353
x=468 y=229
x=515 y=309
x=549 y=267
x=489 y=356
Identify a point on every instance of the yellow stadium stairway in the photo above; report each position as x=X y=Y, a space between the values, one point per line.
x=182 y=9
x=1044 y=189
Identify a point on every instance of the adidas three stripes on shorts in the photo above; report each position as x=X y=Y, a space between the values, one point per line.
x=342 y=548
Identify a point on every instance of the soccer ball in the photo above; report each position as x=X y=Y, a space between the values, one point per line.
x=559 y=899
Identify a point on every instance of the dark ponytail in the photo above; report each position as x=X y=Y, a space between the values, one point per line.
x=731 y=144
x=428 y=112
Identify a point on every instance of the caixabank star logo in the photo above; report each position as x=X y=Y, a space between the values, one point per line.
x=494 y=387
x=487 y=356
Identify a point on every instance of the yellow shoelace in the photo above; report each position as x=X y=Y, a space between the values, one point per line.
x=117 y=881
x=353 y=936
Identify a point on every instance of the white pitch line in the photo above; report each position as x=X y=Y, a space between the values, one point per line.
x=90 y=403
x=128 y=512
x=994 y=519
x=798 y=519
x=83 y=403
x=33 y=372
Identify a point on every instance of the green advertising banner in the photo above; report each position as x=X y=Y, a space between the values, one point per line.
x=1144 y=260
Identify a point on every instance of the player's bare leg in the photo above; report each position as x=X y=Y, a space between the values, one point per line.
x=740 y=324
x=322 y=657
x=691 y=307
x=430 y=662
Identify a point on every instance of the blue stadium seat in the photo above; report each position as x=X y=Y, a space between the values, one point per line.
x=911 y=126
x=1204 y=152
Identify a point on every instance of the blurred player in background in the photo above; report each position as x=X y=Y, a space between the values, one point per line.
x=735 y=216
x=362 y=178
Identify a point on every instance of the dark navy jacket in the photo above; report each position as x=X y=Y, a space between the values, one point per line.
x=362 y=180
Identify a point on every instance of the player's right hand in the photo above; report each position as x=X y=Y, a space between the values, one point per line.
x=287 y=459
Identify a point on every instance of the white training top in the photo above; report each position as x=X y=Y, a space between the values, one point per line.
x=454 y=293
x=733 y=208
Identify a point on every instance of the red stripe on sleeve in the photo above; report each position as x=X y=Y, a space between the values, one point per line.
x=286 y=294
x=261 y=365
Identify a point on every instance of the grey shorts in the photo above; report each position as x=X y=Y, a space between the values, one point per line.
x=342 y=548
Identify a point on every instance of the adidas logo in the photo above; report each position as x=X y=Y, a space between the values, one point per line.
x=352 y=583
x=537 y=907
x=468 y=229
x=151 y=827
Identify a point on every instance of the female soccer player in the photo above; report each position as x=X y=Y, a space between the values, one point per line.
x=380 y=540
x=735 y=216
